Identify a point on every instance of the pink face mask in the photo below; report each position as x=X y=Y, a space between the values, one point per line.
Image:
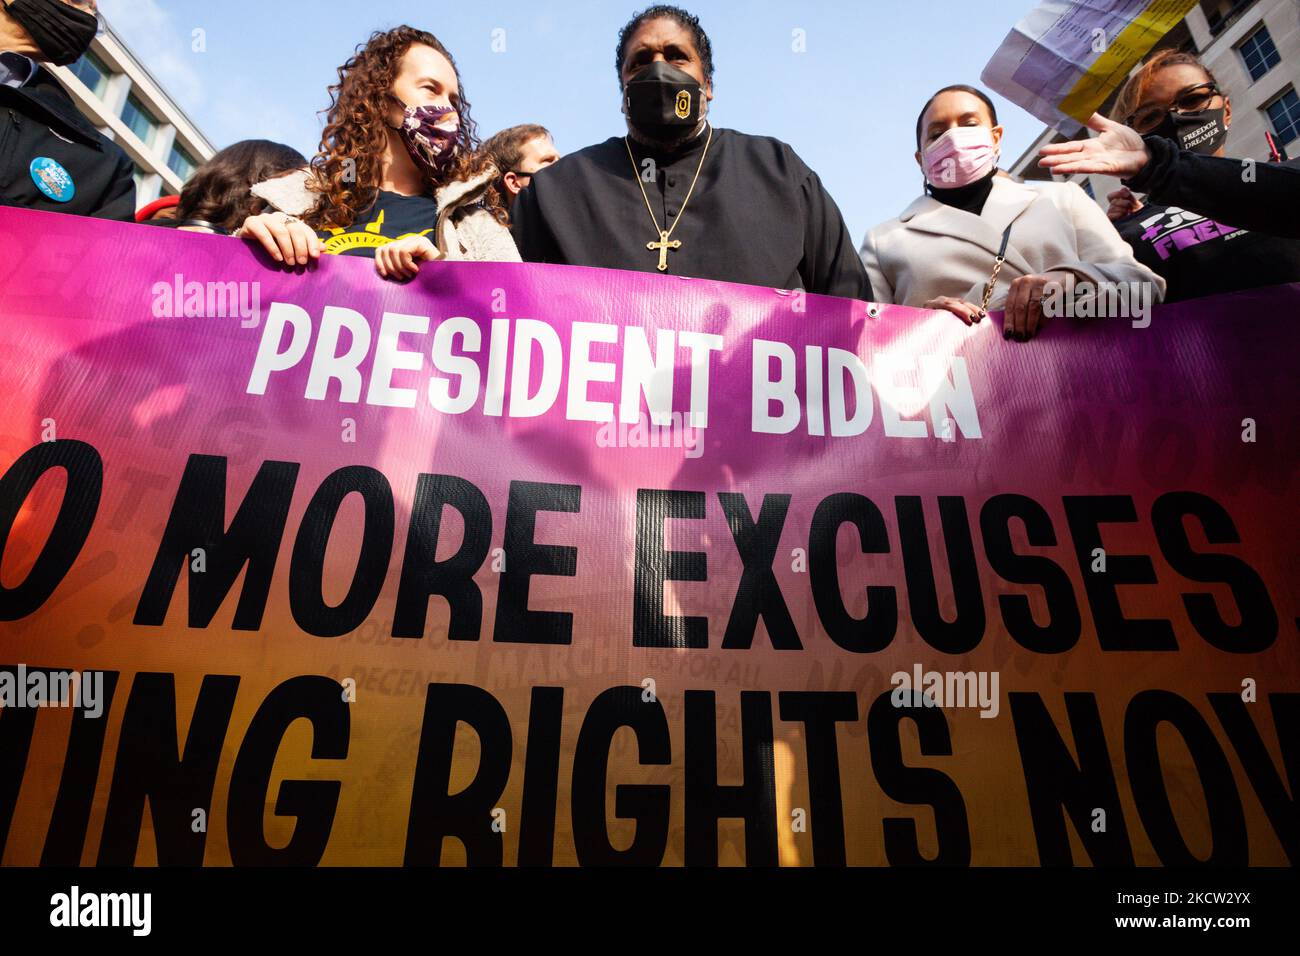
x=959 y=157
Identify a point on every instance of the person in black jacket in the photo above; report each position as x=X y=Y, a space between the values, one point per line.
x=51 y=157
x=1260 y=196
x=1174 y=101
x=1264 y=197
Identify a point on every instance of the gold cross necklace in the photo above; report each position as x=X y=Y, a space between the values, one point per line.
x=665 y=241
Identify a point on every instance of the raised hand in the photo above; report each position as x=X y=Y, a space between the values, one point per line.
x=1116 y=150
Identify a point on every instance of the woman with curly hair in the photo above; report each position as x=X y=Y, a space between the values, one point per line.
x=396 y=177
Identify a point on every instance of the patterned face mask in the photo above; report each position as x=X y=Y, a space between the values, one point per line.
x=431 y=134
x=1200 y=132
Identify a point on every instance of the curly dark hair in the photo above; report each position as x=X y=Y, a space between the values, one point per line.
x=218 y=192
x=665 y=11
x=349 y=167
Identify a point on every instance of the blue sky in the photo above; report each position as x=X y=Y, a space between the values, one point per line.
x=847 y=104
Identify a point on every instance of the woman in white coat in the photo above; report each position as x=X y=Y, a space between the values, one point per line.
x=978 y=240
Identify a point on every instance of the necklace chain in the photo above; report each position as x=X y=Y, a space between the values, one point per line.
x=663 y=245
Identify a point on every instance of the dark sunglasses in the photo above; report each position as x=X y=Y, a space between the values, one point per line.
x=1194 y=99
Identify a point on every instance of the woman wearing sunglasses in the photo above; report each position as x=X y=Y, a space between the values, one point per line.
x=1209 y=224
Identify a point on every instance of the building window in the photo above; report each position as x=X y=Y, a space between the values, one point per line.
x=1221 y=14
x=1258 y=53
x=181 y=163
x=91 y=70
x=1284 y=114
x=138 y=120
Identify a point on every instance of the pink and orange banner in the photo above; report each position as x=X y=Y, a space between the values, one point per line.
x=546 y=565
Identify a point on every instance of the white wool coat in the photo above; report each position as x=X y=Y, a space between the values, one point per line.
x=934 y=250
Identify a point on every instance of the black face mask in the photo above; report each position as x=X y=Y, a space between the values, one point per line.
x=662 y=101
x=61 y=31
x=1202 y=132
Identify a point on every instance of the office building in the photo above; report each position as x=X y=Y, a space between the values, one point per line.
x=118 y=95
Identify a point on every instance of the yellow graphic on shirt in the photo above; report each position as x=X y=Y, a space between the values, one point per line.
x=368 y=237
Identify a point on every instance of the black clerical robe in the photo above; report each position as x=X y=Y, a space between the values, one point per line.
x=758 y=215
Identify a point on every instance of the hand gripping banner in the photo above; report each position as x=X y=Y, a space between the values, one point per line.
x=533 y=565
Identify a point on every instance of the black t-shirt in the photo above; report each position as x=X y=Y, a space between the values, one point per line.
x=1198 y=256
x=392 y=217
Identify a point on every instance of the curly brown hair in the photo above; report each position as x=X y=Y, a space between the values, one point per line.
x=349 y=166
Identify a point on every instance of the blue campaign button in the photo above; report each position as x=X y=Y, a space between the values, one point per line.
x=52 y=179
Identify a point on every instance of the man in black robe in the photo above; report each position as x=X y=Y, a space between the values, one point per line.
x=680 y=197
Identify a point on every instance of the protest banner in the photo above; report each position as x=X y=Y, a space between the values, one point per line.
x=546 y=565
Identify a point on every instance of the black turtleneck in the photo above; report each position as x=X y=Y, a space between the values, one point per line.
x=970 y=197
